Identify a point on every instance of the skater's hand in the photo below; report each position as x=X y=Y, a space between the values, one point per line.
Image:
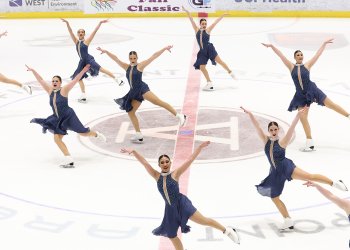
x=102 y=50
x=29 y=68
x=328 y=41
x=103 y=21
x=86 y=68
x=3 y=34
x=225 y=14
x=303 y=110
x=127 y=150
x=168 y=48
x=267 y=45
x=183 y=8
x=245 y=110
x=204 y=144
x=310 y=184
x=64 y=20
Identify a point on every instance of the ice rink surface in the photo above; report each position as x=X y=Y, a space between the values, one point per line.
x=108 y=201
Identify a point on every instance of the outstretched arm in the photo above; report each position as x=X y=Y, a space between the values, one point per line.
x=66 y=88
x=211 y=27
x=258 y=129
x=145 y=63
x=41 y=81
x=75 y=40
x=286 y=139
x=152 y=172
x=3 y=34
x=88 y=41
x=194 y=26
x=114 y=58
x=319 y=52
x=180 y=170
x=342 y=203
x=286 y=62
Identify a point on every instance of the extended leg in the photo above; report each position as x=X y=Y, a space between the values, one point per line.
x=149 y=96
x=202 y=220
x=4 y=79
x=331 y=105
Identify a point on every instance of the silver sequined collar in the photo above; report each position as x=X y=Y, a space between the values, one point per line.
x=165 y=174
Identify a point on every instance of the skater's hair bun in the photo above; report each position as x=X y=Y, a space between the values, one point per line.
x=59 y=78
x=132 y=53
x=160 y=157
x=296 y=52
x=271 y=124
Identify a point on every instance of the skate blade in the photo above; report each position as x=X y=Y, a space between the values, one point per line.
x=307 y=149
x=137 y=141
x=286 y=230
x=70 y=165
x=82 y=100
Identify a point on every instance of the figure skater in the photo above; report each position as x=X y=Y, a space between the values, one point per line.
x=64 y=117
x=282 y=168
x=139 y=90
x=82 y=46
x=206 y=49
x=178 y=208
x=7 y=80
x=306 y=91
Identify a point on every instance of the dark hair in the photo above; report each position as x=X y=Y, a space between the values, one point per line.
x=132 y=53
x=160 y=157
x=271 y=124
x=296 y=52
x=58 y=78
x=202 y=19
x=81 y=29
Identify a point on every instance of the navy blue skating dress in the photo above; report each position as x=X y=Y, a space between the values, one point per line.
x=137 y=89
x=178 y=208
x=206 y=49
x=306 y=91
x=281 y=169
x=85 y=58
x=63 y=118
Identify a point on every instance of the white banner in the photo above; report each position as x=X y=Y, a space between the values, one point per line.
x=147 y=6
x=40 y=5
x=173 y=6
x=272 y=5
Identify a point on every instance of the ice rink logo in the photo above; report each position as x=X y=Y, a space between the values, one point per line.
x=15 y=3
x=200 y=4
x=229 y=130
x=103 y=5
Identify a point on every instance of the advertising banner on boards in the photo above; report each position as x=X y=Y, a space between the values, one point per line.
x=170 y=6
x=147 y=6
x=279 y=5
x=40 y=5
